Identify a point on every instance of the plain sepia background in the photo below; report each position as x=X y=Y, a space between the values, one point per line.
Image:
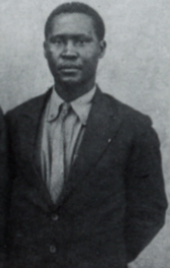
x=135 y=69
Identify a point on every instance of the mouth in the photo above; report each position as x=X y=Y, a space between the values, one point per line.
x=71 y=71
x=69 y=68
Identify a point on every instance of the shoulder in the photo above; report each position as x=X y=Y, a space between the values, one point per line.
x=28 y=107
x=1 y=120
x=1 y=114
x=25 y=106
x=130 y=117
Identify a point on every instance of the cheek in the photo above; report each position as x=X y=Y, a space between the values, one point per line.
x=92 y=57
x=89 y=55
x=91 y=62
x=53 y=53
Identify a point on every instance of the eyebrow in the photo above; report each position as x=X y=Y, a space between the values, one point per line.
x=70 y=36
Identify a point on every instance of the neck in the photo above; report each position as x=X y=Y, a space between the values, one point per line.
x=70 y=92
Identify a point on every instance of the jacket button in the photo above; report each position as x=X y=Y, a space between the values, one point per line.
x=53 y=249
x=54 y=217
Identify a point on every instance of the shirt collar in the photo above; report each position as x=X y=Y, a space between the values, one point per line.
x=81 y=105
x=54 y=104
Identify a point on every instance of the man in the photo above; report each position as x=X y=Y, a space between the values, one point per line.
x=86 y=187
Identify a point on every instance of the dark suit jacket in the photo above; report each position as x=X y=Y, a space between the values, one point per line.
x=3 y=185
x=112 y=205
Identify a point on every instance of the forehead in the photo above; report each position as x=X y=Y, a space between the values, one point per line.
x=72 y=23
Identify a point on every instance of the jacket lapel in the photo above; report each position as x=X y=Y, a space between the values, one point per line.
x=103 y=124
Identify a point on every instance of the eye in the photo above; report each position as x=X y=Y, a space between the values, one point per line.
x=82 y=41
x=79 y=42
x=57 y=40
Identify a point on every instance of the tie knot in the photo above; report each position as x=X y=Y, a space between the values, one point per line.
x=64 y=109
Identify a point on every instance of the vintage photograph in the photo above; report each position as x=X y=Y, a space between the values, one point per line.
x=84 y=134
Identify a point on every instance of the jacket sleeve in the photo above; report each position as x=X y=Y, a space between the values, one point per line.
x=145 y=194
x=3 y=187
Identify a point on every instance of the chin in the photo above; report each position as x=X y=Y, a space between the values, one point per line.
x=70 y=81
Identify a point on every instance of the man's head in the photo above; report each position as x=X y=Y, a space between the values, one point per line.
x=74 y=42
x=81 y=8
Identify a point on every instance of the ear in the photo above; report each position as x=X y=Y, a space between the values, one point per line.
x=103 y=45
x=45 y=49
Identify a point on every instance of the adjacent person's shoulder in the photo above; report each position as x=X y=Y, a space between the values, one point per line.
x=1 y=113
x=1 y=119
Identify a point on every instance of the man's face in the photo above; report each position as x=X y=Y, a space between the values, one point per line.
x=72 y=48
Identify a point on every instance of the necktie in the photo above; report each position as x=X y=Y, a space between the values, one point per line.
x=58 y=153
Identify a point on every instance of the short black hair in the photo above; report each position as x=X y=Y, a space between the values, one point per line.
x=77 y=7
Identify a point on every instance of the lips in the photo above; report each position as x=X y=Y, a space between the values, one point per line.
x=69 y=70
x=69 y=67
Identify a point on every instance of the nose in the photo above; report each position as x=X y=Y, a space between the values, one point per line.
x=69 y=50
